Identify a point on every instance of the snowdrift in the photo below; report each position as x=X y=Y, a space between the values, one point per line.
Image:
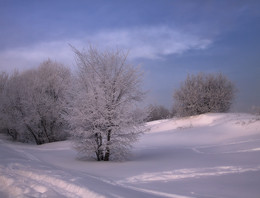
x=207 y=128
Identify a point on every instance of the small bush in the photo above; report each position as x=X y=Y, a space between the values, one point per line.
x=158 y=112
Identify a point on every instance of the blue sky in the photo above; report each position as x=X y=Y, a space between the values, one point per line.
x=168 y=38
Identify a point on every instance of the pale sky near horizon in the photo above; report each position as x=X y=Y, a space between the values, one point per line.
x=168 y=38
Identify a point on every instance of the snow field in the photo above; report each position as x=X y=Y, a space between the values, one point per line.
x=180 y=158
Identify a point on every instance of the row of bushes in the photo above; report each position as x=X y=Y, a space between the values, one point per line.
x=35 y=96
x=33 y=101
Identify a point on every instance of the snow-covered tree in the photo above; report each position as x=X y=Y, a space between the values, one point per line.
x=104 y=117
x=34 y=102
x=47 y=97
x=204 y=93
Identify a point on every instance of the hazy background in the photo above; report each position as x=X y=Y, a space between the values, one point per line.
x=169 y=39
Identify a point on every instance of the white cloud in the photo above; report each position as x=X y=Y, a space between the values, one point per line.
x=150 y=43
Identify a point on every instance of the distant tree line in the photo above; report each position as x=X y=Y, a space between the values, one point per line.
x=158 y=112
x=255 y=110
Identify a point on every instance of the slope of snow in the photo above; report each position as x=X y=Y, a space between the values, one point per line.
x=211 y=155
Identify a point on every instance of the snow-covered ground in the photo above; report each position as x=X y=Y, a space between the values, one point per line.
x=211 y=155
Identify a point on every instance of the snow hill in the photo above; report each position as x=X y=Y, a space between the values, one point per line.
x=206 y=156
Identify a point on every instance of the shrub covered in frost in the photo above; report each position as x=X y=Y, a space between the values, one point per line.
x=204 y=93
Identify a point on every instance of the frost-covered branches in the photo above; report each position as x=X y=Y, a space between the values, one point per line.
x=204 y=93
x=104 y=118
x=32 y=103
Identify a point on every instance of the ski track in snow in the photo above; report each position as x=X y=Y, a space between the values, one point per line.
x=181 y=174
x=19 y=181
x=153 y=192
x=203 y=149
x=15 y=181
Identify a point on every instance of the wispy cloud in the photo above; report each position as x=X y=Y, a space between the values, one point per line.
x=149 y=43
x=152 y=42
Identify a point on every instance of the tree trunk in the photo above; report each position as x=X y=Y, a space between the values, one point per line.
x=43 y=123
x=107 y=153
x=37 y=141
x=99 y=155
x=13 y=133
x=99 y=142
